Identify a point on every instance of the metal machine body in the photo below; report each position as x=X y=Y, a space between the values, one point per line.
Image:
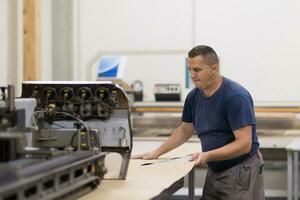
x=12 y=125
x=62 y=176
x=75 y=125
x=34 y=173
x=82 y=116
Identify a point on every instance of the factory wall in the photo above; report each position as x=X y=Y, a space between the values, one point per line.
x=3 y=42
x=257 y=41
x=137 y=26
x=11 y=42
x=46 y=40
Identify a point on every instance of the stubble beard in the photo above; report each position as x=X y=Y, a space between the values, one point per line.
x=207 y=83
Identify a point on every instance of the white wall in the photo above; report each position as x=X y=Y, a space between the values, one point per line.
x=257 y=41
x=17 y=56
x=11 y=43
x=3 y=41
x=20 y=47
x=46 y=40
x=140 y=25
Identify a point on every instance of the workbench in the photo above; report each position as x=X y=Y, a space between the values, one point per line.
x=155 y=181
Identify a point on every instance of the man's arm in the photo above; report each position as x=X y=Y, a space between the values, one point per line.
x=178 y=137
x=241 y=146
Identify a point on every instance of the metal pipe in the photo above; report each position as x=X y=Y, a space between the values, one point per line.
x=296 y=164
x=11 y=98
x=192 y=184
x=289 y=175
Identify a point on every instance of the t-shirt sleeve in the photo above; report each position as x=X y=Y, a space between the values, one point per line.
x=240 y=111
x=187 y=109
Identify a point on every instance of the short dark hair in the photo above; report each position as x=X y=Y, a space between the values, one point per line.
x=208 y=53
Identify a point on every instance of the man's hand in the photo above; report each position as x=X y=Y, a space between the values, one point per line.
x=146 y=156
x=200 y=158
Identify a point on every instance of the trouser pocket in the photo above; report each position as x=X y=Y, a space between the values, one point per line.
x=244 y=176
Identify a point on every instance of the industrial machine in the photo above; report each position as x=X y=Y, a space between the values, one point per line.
x=82 y=115
x=12 y=126
x=167 y=92
x=75 y=126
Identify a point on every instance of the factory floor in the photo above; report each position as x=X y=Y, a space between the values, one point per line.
x=198 y=197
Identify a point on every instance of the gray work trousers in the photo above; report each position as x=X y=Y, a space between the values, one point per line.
x=241 y=182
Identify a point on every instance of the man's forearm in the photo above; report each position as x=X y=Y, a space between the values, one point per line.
x=230 y=151
x=241 y=146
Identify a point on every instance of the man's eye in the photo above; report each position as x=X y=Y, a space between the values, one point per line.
x=197 y=70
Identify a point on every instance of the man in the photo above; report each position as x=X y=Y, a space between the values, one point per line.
x=221 y=112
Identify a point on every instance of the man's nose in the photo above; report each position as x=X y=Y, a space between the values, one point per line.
x=193 y=75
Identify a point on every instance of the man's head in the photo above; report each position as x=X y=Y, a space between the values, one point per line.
x=203 y=64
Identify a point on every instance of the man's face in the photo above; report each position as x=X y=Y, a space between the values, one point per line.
x=201 y=74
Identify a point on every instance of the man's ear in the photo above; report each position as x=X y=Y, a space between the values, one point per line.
x=215 y=67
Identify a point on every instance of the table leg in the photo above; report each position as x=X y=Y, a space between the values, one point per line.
x=192 y=184
x=289 y=175
x=295 y=175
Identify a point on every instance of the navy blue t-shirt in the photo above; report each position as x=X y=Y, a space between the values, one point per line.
x=216 y=117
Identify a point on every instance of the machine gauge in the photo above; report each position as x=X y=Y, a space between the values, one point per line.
x=35 y=92
x=49 y=93
x=84 y=93
x=102 y=93
x=114 y=99
x=67 y=92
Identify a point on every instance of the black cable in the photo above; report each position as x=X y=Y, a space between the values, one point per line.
x=56 y=124
x=72 y=139
x=66 y=114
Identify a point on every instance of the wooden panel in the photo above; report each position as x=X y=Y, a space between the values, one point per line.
x=146 y=182
x=278 y=109
x=32 y=43
x=142 y=109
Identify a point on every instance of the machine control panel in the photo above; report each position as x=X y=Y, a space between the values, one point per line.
x=88 y=100
x=167 y=92
x=167 y=88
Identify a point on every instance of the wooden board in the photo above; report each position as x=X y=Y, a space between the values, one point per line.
x=143 y=182
x=146 y=182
